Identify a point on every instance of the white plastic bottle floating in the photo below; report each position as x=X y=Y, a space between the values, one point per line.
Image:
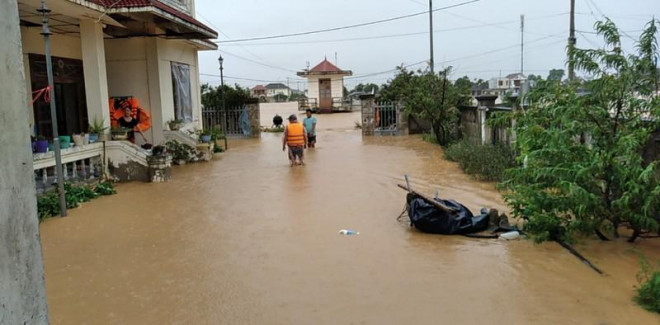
x=510 y=235
x=348 y=232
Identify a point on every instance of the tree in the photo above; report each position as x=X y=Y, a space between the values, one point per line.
x=234 y=96
x=568 y=186
x=367 y=88
x=428 y=96
x=464 y=85
x=556 y=74
x=533 y=77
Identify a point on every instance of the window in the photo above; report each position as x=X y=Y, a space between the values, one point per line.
x=181 y=90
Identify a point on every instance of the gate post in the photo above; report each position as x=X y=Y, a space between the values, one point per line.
x=368 y=104
x=402 y=119
x=254 y=116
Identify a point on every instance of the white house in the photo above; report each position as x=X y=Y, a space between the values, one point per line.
x=146 y=49
x=325 y=85
x=511 y=83
x=274 y=89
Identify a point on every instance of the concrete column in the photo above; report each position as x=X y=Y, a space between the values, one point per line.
x=482 y=123
x=402 y=125
x=254 y=116
x=368 y=105
x=155 y=89
x=22 y=291
x=96 y=78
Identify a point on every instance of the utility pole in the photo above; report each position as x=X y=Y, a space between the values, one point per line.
x=571 y=43
x=431 y=61
x=522 y=41
x=45 y=31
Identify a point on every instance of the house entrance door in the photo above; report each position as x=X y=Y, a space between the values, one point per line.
x=69 y=95
x=325 y=94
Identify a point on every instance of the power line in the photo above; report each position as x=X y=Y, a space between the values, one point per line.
x=373 y=37
x=240 y=78
x=345 y=27
x=257 y=62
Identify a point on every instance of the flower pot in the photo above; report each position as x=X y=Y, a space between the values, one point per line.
x=65 y=141
x=41 y=146
x=78 y=139
x=93 y=137
x=205 y=138
x=119 y=135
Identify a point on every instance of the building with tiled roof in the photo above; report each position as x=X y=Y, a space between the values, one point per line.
x=111 y=51
x=325 y=85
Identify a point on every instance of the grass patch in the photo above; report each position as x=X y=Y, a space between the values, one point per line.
x=648 y=289
x=485 y=162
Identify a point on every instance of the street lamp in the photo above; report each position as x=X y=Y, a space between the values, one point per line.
x=45 y=31
x=222 y=97
x=222 y=82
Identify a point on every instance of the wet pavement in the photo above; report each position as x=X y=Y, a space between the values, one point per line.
x=245 y=239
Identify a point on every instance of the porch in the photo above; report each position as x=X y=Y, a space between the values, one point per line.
x=142 y=50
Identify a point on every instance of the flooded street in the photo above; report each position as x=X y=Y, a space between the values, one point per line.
x=245 y=239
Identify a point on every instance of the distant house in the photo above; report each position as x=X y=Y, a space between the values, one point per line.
x=258 y=91
x=325 y=85
x=512 y=83
x=275 y=89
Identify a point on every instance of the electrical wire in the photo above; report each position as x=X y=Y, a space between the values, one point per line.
x=346 y=27
x=372 y=37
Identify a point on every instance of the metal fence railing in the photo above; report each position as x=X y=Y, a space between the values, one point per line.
x=233 y=121
x=386 y=118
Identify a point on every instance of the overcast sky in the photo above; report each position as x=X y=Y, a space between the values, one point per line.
x=479 y=39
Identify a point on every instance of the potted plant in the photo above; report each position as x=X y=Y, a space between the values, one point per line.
x=181 y=152
x=205 y=136
x=96 y=128
x=41 y=145
x=175 y=124
x=78 y=139
x=65 y=141
x=119 y=133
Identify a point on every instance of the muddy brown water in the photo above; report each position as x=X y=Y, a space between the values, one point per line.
x=246 y=239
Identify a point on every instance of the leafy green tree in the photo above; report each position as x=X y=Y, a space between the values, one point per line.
x=567 y=186
x=463 y=84
x=431 y=97
x=556 y=74
x=533 y=77
x=234 y=96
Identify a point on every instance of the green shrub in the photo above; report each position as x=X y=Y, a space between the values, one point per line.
x=648 y=291
x=48 y=204
x=485 y=162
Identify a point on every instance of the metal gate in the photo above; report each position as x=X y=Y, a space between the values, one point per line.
x=386 y=118
x=234 y=122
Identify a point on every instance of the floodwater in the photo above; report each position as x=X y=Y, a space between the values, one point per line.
x=246 y=239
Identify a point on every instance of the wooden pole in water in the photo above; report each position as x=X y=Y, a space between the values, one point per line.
x=428 y=199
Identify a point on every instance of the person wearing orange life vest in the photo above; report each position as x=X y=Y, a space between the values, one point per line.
x=294 y=137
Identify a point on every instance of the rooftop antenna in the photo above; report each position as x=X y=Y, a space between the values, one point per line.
x=307 y=65
x=336 y=59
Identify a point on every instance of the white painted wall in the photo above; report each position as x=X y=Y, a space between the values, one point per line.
x=313 y=87
x=337 y=84
x=141 y=67
x=178 y=51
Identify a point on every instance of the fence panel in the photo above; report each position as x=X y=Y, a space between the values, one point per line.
x=386 y=118
x=233 y=121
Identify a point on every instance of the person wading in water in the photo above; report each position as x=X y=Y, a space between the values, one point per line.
x=294 y=137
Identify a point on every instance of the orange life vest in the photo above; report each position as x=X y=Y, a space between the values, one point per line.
x=295 y=134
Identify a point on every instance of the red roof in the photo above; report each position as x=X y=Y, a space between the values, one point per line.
x=116 y=4
x=326 y=66
x=259 y=87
